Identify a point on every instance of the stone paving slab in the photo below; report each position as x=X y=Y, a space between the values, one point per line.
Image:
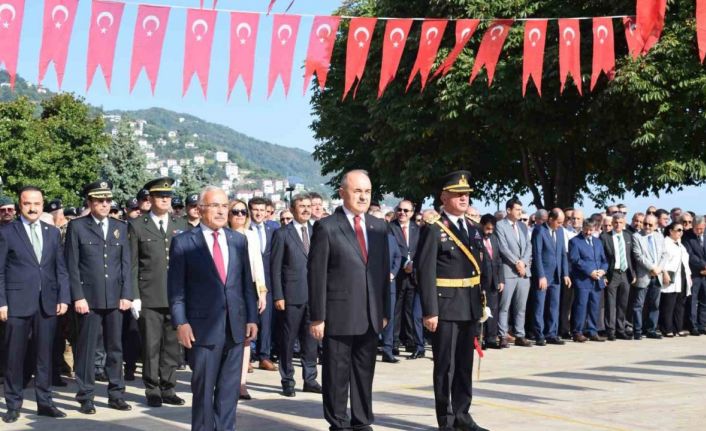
x=619 y=386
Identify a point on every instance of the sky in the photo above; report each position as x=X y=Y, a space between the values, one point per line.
x=279 y=119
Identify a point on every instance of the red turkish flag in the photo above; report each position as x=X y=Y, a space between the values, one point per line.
x=490 y=47
x=200 y=26
x=396 y=33
x=701 y=28
x=11 y=13
x=102 y=35
x=633 y=37
x=360 y=33
x=570 y=52
x=284 y=40
x=318 y=57
x=432 y=33
x=464 y=31
x=650 y=21
x=150 y=27
x=533 y=57
x=58 y=24
x=603 y=49
x=243 y=39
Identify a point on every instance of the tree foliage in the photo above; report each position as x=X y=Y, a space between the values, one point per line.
x=193 y=179
x=124 y=163
x=641 y=133
x=55 y=145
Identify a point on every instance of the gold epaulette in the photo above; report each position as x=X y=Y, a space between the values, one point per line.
x=432 y=218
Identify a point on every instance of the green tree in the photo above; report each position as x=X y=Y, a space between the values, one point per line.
x=124 y=163
x=57 y=150
x=193 y=178
x=641 y=133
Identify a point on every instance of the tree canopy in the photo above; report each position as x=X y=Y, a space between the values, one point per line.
x=641 y=133
x=124 y=163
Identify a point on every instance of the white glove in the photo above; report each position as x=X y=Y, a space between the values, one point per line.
x=136 y=308
x=486 y=314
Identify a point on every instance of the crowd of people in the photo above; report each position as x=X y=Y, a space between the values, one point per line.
x=115 y=288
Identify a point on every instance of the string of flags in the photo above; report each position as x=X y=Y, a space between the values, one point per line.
x=641 y=32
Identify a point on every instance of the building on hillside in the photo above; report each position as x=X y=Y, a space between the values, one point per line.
x=258 y=193
x=244 y=195
x=164 y=171
x=189 y=145
x=279 y=185
x=150 y=155
x=221 y=156
x=232 y=171
x=199 y=160
x=172 y=134
x=171 y=162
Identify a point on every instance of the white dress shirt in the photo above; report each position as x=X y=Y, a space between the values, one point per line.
x=156 y=219
x=222 y=242
x=28 y=228
x=298 y=227
x=262 y=238
x=454 y=219
x=349 y=214
x=105 y=225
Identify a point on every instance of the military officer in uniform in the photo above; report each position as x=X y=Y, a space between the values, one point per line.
x=98 y=261
x=150 y=237
x=448 y=265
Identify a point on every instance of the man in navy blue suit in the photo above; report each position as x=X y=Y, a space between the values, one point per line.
x=550 y=266
x=290 y=250
x=588 y=267
x=265 y=231
x=34 y=289
x=214 y=307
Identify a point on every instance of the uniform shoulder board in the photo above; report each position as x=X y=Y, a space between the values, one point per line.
x=432 y=218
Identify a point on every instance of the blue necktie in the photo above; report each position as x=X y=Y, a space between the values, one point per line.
x=262 y=240
x=651 y=244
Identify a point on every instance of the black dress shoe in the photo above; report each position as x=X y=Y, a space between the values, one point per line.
x=173 y=400
x=611 y=337
x=87 y=408
x=540 y=342
x=389 y=359
x=492 y=345
x=101 y=377
x=555 y=340
x=245 y=395
x=289 y=391
x=50 y=411
x=597 y=338
x=312 y=387
x=119 y=404
x=58 y=382
x=566 y=336
x=523 y=342
x=621 y=336
x=654 y=336
x=694 y=333
x=395 y=351
x=154 y=401
x=129 y=375
x=702 y=331
x=637 y=337
x=417 y=355
x=11 y=416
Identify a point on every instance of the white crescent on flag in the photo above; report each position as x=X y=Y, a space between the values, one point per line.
x=63 y=10
x=393 y=33
x=323 y=27
x=283 y=28
x=602 y=29
x=534 y=40
x=430 y=31
x=565 y=34
x=199 y=23
x=105 y=15
x=8 y=7
x=151 y=18
x=499 y=29
x=247 y=28
x=360 y=30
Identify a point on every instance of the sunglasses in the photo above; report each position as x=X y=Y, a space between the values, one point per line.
x=7 y=210
x=285 y=219
x=651 y=212
x=524 y=219
x=649 y=224
x=237 y=212
x=679 y=230
x=404 y=210
x=102 y=200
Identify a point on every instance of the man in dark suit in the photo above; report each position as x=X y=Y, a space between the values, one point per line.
x=265 y=231
x=408 y=318
x=388 y=334
x=493 y=280
x=34 y=290
x=98 y=261
x=349 y=275
x=588 y=267
x=150 y=237
x=550 y=267
x=695 y=244
x=449 y=261
x=617 y=245
x=290 y=250
x=214 y=307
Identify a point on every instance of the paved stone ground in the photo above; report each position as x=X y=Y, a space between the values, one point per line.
x=625 y=385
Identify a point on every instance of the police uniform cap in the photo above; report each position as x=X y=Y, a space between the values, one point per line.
x=102 y=189
x=114 y=206
x=160 y=186
x=132 y=204
x=457 y=182
x=177 y=202
x=54 y=205
x=192 y=199
x=70 y=211
x=143 y=194
x=5 y=201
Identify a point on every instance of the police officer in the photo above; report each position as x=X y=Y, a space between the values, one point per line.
x=448 y=266
x=143 y=200
x=98 y=262
x=132 y=209
x=177 y=206
x=193 y=217
x=150 y=237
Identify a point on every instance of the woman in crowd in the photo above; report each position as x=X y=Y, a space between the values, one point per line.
x=676 y=285
x=239 y=221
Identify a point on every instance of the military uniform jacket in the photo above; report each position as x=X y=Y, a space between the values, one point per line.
x=438 y=257
x=99 y=269
x=149 y=251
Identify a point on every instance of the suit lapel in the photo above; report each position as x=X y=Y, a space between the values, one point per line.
x=232 y=255
x=22 y=233
x=454 y=228
x=151 y=227
x=93 y=227
x=45 y=242
x=294 y=235
x=413 y=235
x=348 y=232
x=202 y=246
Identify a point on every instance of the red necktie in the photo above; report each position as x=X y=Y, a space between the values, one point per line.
x=361 y=237
x=218 y=258
x=489 y=246
x=404 y=233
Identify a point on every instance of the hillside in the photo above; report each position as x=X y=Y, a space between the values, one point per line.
x=263 y=159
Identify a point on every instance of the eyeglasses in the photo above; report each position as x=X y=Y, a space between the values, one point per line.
x=7 y=210
x=651 y=212
x=214 y=206
x=649 y=224
x=237 y=212
x=102 y=200
x=687 y=221
x=404 y=210
x=679 y=230
x=524 y=219
x=284 y=219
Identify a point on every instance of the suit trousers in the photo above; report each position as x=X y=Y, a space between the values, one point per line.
x=671 y=312
x=405 y=331
x=295 y=325
x=565 y=304
x=132 y=342
x=617 y=293
x=388 y=334
x=110 y=321
x=17 y=332
x=586 y=310
x=514 y=295
x=452 y=344
x=697 y=304
x=491 y=325
x=646 y=303
x=215 y=384
x=264 y=337
x=161 y=352
x=546 y=311
x=349 y=366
